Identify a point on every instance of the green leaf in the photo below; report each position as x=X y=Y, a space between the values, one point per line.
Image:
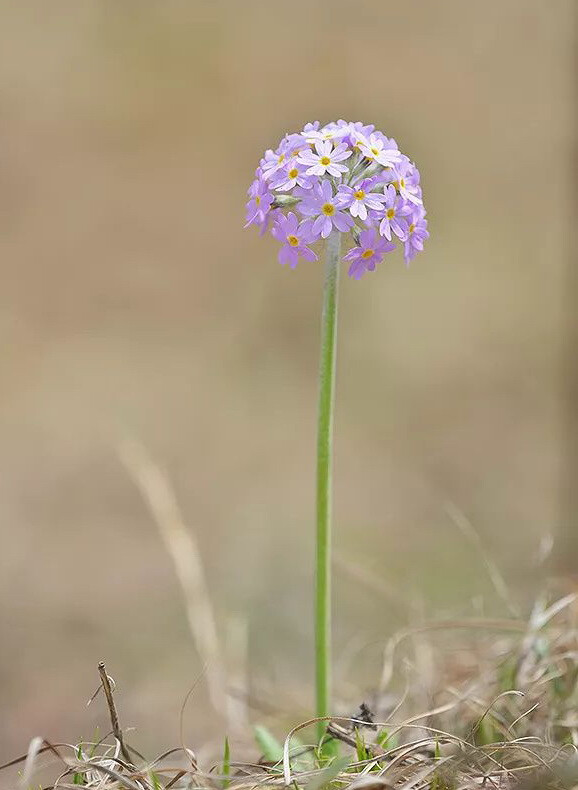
x=95 y=740
x=270 y=747
x=325 y=776
x=485 y=733
x=77 y=777
x=327 y=750
x=155 y=781
x=226 y=764
x=385 y=740
x=360 y=749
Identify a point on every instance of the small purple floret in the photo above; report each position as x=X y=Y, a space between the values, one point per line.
x=396 y=211
x=359 y=198
x=367 y=254
x=322 y=203
x=294 y=237
x=417 y=234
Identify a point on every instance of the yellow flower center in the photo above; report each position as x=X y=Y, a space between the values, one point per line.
x=402 y=182
x=325 y=160
x=395 y=185
x=281 y=158
x=367 y=254
x=390 y=213
x=293 y=241
x=293 y=173
x=412 y=227
x=359 y=195
x=257 y=200
x=328 y=209
x=374 y=151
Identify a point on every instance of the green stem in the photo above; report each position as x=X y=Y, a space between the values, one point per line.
x=324 y=464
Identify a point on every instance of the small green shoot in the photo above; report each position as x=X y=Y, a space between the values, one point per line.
x=270 y=747
x=226 y=764
x=77 y=777
x=360 y=748
x=443 y=778
x=329 y=773
x=95 y=740
x=326 y=750
x=385 y=740
x=155 y=781
x=485 y=733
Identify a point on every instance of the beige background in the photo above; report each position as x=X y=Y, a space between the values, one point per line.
x=132 y=302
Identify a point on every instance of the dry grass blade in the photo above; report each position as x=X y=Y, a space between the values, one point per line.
x=184 y=552
x=476 y=726
x=515 y=626
x=558 y=606
x=373 y=782
x=121 y=779
x=36 y=745
x=467 y=529
x=418 y=778
x=372 y=581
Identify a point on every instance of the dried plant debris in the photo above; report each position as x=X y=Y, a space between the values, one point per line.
x=503 y=714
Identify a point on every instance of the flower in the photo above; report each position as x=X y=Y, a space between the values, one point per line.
x=326 y=159
x=290 y=175
x=295 y=238
x=348 y=132
x=367 y=254
x=322 y=203
x=406 y=181
x=343 y=177
x=379 y=149
x=396 y=208
x=259 y=203
x=328 y=133
x=417 y=233
x=272 y=161
x=359 y=198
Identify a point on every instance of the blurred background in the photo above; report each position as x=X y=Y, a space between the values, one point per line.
x=133 y=306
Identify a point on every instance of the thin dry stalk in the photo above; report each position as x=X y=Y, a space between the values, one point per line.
x=108 y=693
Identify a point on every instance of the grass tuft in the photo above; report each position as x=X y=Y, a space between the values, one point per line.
x=502 y=695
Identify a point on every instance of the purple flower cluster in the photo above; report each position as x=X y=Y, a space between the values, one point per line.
x=346 y=177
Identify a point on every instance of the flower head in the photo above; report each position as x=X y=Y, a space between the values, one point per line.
x=344 y=177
